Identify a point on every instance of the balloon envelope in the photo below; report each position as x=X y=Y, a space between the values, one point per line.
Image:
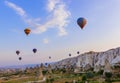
x=49 y=57
x=45 y=63
x=34 y=50
x=69 y=54
x=81 y=22
x=27 y=31
x=20 y=58
x=17 y=52
x=78 y=52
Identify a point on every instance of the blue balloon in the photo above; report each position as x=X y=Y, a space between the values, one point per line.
x=81 y=22
x=34 y=50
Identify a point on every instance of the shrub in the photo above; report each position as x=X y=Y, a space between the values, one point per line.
x=108 y=74
x=63 y=70
x=66 y=82
x=100 y=72
x=47 y=80
x=84 y=78
x=118 y=75
x=108 y=80
x=51 y=80
x=90 y=75
x=44 y=72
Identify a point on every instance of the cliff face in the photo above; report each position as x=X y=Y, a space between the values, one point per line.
x=92 y=59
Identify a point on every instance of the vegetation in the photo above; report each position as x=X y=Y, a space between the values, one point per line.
x=59 y=75
x=100 y=72
x=108 y=76
x=84 y=78
x=89 y=75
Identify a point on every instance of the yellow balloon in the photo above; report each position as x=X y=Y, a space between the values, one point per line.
x=27 y=31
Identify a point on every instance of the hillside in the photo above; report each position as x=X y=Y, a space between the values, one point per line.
x=92 y=59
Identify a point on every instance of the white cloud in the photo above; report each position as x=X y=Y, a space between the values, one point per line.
x=58 y=18
x=51 y=4
x=18 y=9
x=45 y=41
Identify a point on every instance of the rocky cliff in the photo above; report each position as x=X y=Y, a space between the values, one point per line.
x=92 y=59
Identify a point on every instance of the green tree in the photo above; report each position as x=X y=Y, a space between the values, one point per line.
x=84 y=78
x=44 y=72
x=108 y=76
x=100 y=72
x=89 y=75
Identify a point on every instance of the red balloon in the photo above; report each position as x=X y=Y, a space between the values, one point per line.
x=81 y=22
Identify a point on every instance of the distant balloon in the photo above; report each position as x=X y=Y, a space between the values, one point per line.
x=78 y=52
x=81 y=22
x=69 y=54
x=34 y=50
x=17 y=52
x=45 y=63
x=27 y=31
x=49 y=57
x=20 y=58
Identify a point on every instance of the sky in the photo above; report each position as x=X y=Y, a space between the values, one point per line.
x=54 y=30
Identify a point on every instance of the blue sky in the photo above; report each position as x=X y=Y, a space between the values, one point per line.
x=54 y=29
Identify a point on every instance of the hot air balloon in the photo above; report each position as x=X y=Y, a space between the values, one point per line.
x=78 y=52
x=49 y=57
x=27 y=31
x=45 y=63
x=81 y=22
x=20 y=58
x=34 y=50
x=17 y=52
x=69 y=54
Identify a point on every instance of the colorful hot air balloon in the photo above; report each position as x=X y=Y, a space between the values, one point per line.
x=20 y=58
x=17 y=52
x=34 y=50
x=81 y=22
x=27 y=31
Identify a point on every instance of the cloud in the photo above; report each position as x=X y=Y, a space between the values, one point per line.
x=58 y=17
x=18 y=9
x=45 y=41
x=52 y=4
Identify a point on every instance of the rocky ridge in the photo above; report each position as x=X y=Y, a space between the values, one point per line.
x=92 y=59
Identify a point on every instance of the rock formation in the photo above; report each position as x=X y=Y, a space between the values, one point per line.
x=96 y=60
